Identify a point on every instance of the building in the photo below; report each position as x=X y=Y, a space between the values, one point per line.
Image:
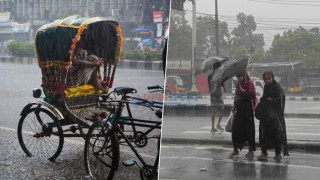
x=129 y=13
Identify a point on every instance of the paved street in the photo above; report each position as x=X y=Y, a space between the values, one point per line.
x=17 y=81
x=292 y=106
x=211 y=162
x=298 y=129
x=190 y=151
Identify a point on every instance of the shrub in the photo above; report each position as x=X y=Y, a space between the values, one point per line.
x=138 y=55
x=21 y=49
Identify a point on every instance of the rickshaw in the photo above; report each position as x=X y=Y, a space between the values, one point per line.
x=73 y=107
x=69 y=104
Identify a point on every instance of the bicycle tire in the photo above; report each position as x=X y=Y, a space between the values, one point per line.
x=38 y=134
x=148 y=173
x=99 y=141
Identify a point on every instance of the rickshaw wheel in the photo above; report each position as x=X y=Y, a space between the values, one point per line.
x=101 y=153
x=40 y=134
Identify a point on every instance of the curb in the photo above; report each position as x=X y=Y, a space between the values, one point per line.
x=125 y=64
x=292 y=144
x=146 y=65
x=205 y=110
x=18 y=60
x=290 y=98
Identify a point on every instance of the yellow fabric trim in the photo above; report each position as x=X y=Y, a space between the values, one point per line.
x=120 y=38
x=83 y=23
x=52 y=63
x=64 y=20
x=81 y=91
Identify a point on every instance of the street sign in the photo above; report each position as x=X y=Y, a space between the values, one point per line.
x=177 y=4
x=179 y=65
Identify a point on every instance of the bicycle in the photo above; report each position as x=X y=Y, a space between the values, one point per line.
x=102 y=141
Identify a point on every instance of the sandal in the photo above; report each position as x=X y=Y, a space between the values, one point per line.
x=262 y=157
x=278 y=157
x=234 y=155
x=249 y=155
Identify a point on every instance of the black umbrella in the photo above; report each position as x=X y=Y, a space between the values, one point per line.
x=211 y=63
x=227 y=71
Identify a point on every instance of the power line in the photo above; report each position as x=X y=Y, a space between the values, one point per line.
x=283 y=3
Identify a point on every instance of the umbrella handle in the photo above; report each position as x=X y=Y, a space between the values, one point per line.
x=224 y=88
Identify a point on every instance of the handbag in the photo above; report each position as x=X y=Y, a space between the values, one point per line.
x=228 y=127
x=259 y=111
x=266 y=111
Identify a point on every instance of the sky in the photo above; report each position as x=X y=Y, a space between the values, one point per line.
x=272 y=16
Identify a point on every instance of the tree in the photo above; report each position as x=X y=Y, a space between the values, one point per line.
x=180 y=41
x=206 y=37
x=299 y=44
x=243 y=36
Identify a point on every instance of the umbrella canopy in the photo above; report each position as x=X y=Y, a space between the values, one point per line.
x=153 y=43
x=56 y=42
x=227 y=71
x=212 y=63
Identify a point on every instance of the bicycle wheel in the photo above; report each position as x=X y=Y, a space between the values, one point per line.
x=40 y=134
x=148 y=173
x=101 y=153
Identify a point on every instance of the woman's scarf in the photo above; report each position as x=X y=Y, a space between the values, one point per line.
x=249 y=88
x=276 y=92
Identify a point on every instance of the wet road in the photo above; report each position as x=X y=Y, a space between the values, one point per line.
x=16 y=83
x=298 y=129
x=212 y=162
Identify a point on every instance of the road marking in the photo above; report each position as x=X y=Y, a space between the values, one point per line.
x=8 y=129
x=221 y=147
x=78 y=142
x=269 y=163
x=220 y=132
x=289 y=126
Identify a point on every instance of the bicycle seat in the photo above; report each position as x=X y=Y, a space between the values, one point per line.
x=125 y=90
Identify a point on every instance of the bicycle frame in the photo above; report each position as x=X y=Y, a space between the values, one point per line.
x=118 y=120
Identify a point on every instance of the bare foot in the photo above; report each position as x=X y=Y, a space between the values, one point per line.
x=214 y=130
x=220 y=128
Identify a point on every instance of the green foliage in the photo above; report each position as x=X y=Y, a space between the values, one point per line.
x=21 y=49
x=243 y=36
x=299 y=44
x=180 y=46
x=138 y=55
x=206 y=37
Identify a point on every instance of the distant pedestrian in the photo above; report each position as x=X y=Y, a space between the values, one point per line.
x=272 y=129
x=217 y=105
x=243 y=129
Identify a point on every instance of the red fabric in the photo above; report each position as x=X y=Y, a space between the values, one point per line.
x=202 y=83
x=249 y=88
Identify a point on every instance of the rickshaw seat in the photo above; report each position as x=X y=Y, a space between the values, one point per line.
x=125 y=90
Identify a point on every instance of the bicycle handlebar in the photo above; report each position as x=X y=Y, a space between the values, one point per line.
x=155 y=87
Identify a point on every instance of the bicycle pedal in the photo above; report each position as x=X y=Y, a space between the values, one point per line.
x=129 y=162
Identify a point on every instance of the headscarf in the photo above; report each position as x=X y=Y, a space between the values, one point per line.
x=275 y=91
x=249 y=87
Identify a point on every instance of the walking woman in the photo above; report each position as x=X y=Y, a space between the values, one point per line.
x=243 y=129
x=272 y=128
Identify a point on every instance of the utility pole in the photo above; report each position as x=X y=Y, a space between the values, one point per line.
x=217 y=28
x=31 y=22
x=194 y=42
